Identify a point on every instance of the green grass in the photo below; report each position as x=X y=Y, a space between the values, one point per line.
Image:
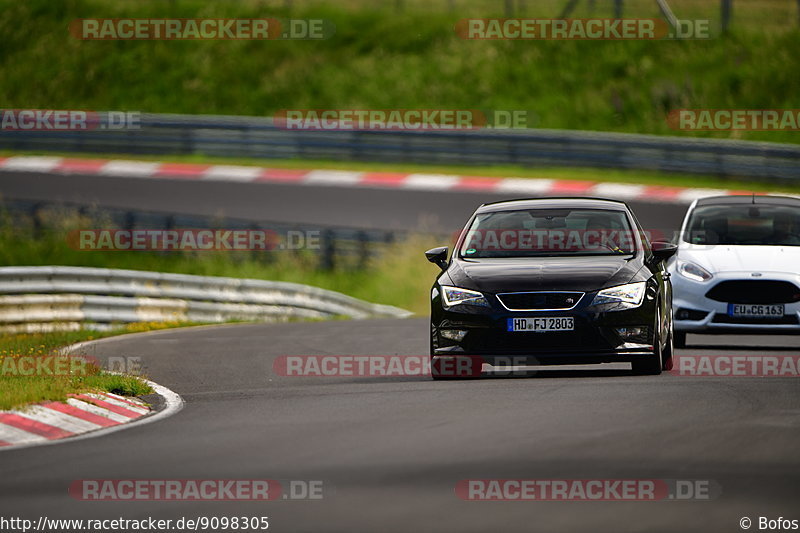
x=642 y=177
x=381 y=58
x=56 y=380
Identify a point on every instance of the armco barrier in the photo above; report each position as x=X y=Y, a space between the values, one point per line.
x=58 y=297
x=256 y=137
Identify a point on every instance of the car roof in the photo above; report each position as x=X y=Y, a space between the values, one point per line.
x=742 y=199
x=570 y=202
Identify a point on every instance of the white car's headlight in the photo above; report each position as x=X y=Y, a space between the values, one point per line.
x=455 y=295
x=630 y=295
x=693 y=271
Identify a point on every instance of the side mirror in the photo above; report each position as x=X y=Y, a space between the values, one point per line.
x=663 y=250
x=438 y=256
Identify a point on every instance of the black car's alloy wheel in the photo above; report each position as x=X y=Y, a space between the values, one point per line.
x=651 y=365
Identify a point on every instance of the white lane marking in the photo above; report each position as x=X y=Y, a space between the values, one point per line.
x=129 y=169
x=14 y=435
x=26 y=163
x=430 y=182
x=690 y=195
x=332 y=177
x=524 y=186
x=112 y=401
x=232 y=173
x=96 y=410
x=39 y=413
x=622 y=191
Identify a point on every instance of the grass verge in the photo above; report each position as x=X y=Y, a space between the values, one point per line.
x=384 y=58
x=32 y=369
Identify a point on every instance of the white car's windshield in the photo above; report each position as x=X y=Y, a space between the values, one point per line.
x=750 y=224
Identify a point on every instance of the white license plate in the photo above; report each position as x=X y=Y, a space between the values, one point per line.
x=755 y=310
x=544 y=323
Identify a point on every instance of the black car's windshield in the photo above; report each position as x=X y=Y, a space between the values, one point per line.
x=749 y=224
x=548 y=232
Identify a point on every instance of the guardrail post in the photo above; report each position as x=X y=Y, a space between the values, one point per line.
x=260 y=255
x=726 y=9
x=363 y=250
x=130 y=221
x=327 y=260
x=570 y=7
x=36 y=218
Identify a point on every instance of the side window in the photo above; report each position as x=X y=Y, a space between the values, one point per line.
x=648 y=250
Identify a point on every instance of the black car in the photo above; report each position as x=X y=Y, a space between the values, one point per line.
x=553 y=281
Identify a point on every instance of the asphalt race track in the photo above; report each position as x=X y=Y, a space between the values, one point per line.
x=388 y=209
x=390 y=450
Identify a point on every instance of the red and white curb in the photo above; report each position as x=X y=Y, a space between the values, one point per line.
x=345 y=178
x=81 y=416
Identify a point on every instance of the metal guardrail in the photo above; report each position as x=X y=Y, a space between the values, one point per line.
x=57 y=297
x=254 y=137
x=335 y=247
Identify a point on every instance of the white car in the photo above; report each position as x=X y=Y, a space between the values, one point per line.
x=738 y=267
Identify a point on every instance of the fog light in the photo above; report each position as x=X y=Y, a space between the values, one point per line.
x=453 y=334
x=690 y=314
x=634 y=333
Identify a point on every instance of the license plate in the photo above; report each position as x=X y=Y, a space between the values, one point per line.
x=544 y=323
x=755 y=310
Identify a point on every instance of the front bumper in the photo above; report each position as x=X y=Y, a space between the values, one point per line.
x=595 y=339
x=710 y=316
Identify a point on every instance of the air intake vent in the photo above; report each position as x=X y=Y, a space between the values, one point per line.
x=755 y=292
x=539 y=301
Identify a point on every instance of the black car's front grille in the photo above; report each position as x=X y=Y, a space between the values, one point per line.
x=532 y=343
x=755 y=292
x=524 y=301
x=779 y=320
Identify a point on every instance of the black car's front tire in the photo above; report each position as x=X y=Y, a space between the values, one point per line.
x=652 y=365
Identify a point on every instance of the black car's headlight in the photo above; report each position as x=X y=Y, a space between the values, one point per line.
x=628 y=296
x=455 y=296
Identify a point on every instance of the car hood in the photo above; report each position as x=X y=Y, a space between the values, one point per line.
x=547 y=273
x=730 y=258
